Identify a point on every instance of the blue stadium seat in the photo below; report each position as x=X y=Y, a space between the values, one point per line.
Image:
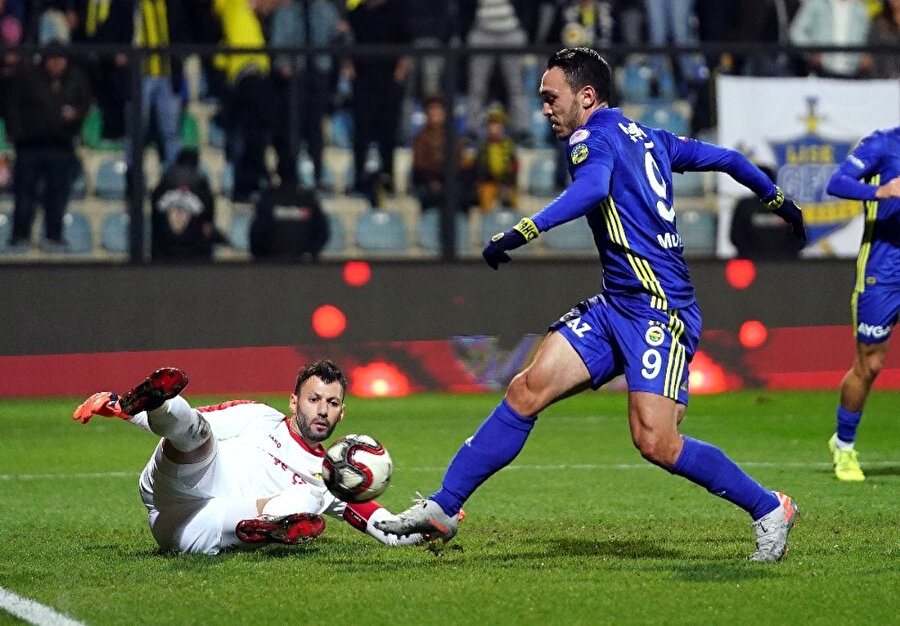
x=689 y=184
x=541 y=177
x=110 y=182
x=76 y=232
x=336 y=236
x=642 y=84
x=342 y=129
x=429 y=231
x=306 y=170
x=114 y=235
x=574 y=236
x=666 y=117
x=226 y=183
x=239 y=230
x=698 y=232
x=381 y=231
x=79 y=185
x=539 y=127
x=5 y=231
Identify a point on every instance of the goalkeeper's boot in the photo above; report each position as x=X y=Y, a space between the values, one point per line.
x=164 y=383
x=772 y=530
x=426 y=517
x=846 y=462
x=290 y=529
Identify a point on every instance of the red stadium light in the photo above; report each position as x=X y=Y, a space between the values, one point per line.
x=357 y=273
x=378 y=379
x=328 y=321
x=752 y=334
x=706 y=375
x=740 y=273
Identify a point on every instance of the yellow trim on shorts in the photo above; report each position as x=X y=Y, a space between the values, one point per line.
x=677 y=357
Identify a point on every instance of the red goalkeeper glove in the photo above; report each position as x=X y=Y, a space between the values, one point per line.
x=103 y=403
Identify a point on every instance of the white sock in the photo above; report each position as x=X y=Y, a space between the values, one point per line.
x=842 y=445
x=181 y=425
x=297 y=499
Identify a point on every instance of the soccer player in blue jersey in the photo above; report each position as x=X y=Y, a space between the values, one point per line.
x=645 y=324
x=871 y=174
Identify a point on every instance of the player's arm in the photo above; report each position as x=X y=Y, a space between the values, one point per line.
x=846 y=182
x=699 y=156
x=589 y=187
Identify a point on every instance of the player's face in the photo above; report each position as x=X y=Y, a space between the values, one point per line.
x=561 y=106
x=317 y=409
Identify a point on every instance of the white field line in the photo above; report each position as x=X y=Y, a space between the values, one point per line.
x=517 y=467
x=33 y=612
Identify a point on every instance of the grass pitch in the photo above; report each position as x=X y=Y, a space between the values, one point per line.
x=579 y=530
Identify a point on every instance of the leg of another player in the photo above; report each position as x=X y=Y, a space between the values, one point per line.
x=654 y=430
x=855 y=388
x=556 y=372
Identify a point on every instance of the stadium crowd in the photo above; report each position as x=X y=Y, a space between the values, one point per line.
x=368 y=104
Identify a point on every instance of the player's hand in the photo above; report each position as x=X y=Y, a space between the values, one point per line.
x=787 y=209
x=520 y=234
x=103 y=403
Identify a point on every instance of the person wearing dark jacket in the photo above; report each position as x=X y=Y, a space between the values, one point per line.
x=183 y=212
x=47 y=107
x=289 y=225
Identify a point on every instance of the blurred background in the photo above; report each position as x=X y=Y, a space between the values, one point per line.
x=237 y=186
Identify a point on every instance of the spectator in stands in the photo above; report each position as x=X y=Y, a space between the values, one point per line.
x=249 y=102
x=429 y=25
x=184 y=212
x=288 y=225
x=886 y=30
x=587 y=23
x=428 y=162
x=12 y=17
x=670 y=21
x=105 y=22
x=47 y=107
x=316 y=23
x=497 y=165
x=378 y=85
x=503 y=23
x=757 y=233
x=833 y=23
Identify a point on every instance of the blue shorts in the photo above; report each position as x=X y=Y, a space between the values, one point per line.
x=616 y=335
x=875 y=312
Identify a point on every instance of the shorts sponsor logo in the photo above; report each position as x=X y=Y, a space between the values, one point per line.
x=578 y=327
x=876 y=332
x=579 y=153
x=654 y=336
x=579 y=135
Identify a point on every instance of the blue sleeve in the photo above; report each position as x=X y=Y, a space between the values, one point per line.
x=698 y=156
x=588 y=189
x=845 y=182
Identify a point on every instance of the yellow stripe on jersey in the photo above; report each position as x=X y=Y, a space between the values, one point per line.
x=677 y=358
x=865 y=247
x=640 y=265
x=854 y=302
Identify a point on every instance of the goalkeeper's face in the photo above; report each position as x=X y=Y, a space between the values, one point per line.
x=317 y=409
x=561 y=106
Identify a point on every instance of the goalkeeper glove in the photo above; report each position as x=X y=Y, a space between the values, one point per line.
x=520 y=234
x=102 y=403
x=787 y=209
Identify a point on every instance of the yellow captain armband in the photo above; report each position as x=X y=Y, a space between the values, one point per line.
x=527 y=228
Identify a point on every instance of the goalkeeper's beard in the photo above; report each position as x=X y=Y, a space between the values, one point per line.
x=303 y=427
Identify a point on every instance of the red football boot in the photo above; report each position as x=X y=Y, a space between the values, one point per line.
x=290 y=529
x=164 y=383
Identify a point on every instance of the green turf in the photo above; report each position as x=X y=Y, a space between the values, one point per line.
x=579 y=530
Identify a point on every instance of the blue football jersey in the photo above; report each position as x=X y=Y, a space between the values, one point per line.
x=876 y=160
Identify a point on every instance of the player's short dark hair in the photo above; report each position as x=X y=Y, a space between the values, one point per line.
x=326 y=370
x=583 y=67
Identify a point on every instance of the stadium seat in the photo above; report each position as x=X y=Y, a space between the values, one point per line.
x=79 y=185
x=336 y=237
x=497 y=221
x=5 y=231
x=114 y=233
x=226 y=183
x=574 y=236
x=666 y=117
x=642 y=84
x=76 y=232
x=541 y=177
x=698 y=232
x=342 y=129
x=689 y=184
x=110 y=182
x=430 y=235
x=189 y=131
x=381 y=231
x=92 y=134
x=239 y=230
x=306 y=170
x=540 y=129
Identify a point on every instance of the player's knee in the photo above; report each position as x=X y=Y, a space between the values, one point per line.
x=869 y=366
x=522 y=397
x=658 y=450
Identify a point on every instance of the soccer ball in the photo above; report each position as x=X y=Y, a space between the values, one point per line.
x=357 y=468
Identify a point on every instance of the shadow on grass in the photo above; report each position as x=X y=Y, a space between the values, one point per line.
x=620 y=548
x=883 y=470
